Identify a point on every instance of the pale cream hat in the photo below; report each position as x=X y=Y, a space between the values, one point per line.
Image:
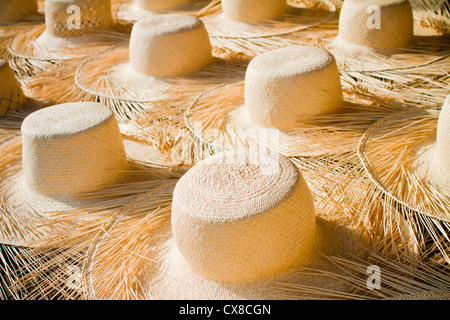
x=384 y=26
x=239 y=226
x=291 y=100
x=65 y=153
x=167 y=53
x=405 y=157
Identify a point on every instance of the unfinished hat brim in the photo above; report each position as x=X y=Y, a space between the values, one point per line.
x=252 y=38
x=26 y=214
x=109 y=77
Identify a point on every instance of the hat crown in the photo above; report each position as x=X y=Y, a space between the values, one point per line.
x=381 y=25
x=443 y=133
x=11 y=94
x=253 y=10
x=284 y=84
x=74 y=18
x=169 y=45
x=243 y=216
x=71 y=148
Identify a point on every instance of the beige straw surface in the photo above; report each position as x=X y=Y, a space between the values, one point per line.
x=184 y=36
x=71 y=148
x=395 y=30
x=95 y=15
x=289 y=83
x=12 y=97
x=158 y=5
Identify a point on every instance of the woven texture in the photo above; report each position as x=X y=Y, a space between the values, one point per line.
x=11 y=94
x=169 y=45
x=394 y=31
x=71 y=148
x=243 y=216
x=158 y=5
x=284 y=84
x=253 y=10
x=61 y=21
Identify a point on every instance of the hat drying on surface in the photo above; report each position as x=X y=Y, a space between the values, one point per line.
x=405 y=157
x=11 y=93
x=166 y=53
x=241 y=224
x=65 y=152
x=384 y=26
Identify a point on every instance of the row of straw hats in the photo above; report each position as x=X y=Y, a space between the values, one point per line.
x=224 y=150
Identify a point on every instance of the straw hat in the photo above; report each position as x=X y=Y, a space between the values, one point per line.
x=128 y=12
x=11 y=93
x=405 y=157
x=252 y=27
x=129 y=78
x=291 y=101
x=72 y=29
x=393 y=31
x=64 y=156
x=239 y=224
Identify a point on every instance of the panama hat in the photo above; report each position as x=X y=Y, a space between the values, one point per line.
x=404 y=157
x=291 y=101
x=64 y=155
x=252 y=27
x=127 y=13
x=72 y=29
x=167 y=55
x=233 y=227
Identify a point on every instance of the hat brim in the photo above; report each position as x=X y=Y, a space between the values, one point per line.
x=109 y=77
x=35 y=50
x=26 y=215
x=152 y=268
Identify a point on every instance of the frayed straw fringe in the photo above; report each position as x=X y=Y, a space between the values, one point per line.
x=27 y=59
x=236 y=42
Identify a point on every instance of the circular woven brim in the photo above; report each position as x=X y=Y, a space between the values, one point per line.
x=218 y=119
x=35 y=50
x=389 y=151
x=25 y=215
x=151 y=267
x=109 y=77
x=127 y=13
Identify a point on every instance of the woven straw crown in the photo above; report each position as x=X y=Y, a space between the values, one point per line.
x=169 y=45
x=94 y=15
x=14 y=9
x=156 y=5
x=358 y=24
x=291 y=82
x=434 y=165
x=11 y=94
x=253 y=10
x=71 y=148
x=243 y=216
